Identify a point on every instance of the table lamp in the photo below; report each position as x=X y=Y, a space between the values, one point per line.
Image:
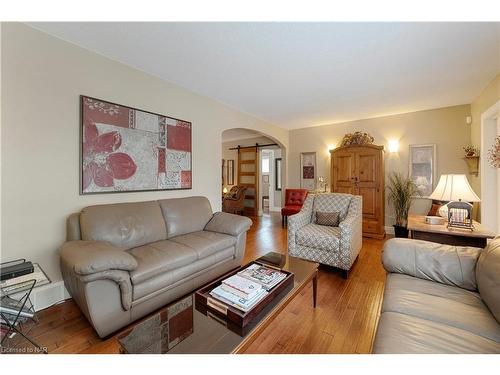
x=455 y=189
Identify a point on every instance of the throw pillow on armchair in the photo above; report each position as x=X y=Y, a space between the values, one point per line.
x=330 y=219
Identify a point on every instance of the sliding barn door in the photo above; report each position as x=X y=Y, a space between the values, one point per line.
x=248 y=172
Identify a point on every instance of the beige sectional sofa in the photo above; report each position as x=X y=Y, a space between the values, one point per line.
x=440 y=298
x=123 y=261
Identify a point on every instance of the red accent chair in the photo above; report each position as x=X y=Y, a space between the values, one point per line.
x=294 y=199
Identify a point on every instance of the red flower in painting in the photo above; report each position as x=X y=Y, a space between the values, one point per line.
x=101 y=163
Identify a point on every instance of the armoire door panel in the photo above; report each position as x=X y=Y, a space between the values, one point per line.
x=344 y=167
x=369 y=195
x=367 y=168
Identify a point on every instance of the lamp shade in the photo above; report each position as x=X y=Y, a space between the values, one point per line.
x=454 y=187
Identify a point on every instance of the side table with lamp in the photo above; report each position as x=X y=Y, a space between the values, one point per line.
x=456 y=226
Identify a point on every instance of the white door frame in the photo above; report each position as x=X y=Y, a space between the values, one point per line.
x=490 y=177
x=270 y=156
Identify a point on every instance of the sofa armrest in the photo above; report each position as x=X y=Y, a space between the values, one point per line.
x=223 y=222
x=89 y=257
x=446 y=264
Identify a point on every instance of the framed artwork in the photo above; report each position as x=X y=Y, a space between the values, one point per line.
x=277 y=174
x=422 y=168
x=308 y=170
x=124 y=149
x=230 y=172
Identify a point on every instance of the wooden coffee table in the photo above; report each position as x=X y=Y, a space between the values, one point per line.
x=439 y=233
x=186 y=328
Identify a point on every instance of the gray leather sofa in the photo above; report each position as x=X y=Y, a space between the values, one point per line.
x=123 y=261
x=440 y=298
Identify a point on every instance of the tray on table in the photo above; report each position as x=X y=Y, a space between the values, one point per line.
x=237 y=316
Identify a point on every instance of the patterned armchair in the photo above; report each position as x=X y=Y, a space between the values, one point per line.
x=334 y=246
x=233 y=202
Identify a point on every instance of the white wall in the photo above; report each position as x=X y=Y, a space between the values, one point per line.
x=42 y=78
x=446 y=127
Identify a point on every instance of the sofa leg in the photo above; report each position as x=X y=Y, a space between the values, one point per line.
x=282 y=221
x=345 y=274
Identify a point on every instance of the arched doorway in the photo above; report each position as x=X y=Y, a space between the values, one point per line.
x=254 y=162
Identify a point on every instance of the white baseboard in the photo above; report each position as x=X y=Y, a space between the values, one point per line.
x=275 y=209
x=389 y=230
x=47 y=295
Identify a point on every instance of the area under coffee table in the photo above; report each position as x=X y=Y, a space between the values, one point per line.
x=184 y=328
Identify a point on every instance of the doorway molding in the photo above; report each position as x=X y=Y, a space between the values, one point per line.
x=490 y=177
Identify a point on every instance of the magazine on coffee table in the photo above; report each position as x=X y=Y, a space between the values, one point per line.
x=266 y=276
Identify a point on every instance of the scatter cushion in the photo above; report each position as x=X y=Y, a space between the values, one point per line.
x=330 y=219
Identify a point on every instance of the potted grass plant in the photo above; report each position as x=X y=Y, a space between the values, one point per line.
x=400 y=190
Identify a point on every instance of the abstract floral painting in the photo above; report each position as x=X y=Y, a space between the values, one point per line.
x=125 y=149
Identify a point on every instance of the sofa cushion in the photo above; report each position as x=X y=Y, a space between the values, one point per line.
x=205 y=243
x=319 y=236
x=445 y=304
x=125 y=225
x=332 y=203
x=160 y=257
x=400 y=333
x=488 y=276
x=167 y=280
x=185 y=215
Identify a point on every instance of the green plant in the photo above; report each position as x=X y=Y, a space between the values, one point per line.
x=401 y=189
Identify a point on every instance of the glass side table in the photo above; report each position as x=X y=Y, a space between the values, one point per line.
x=17 y=312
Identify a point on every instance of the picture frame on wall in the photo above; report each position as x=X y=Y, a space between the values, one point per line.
x=124 y=149
x=422 y=167
x=277 y=174
x=308 y=170
x=223 y=172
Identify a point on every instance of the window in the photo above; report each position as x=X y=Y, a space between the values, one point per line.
x=277 y=174
x=265 y=165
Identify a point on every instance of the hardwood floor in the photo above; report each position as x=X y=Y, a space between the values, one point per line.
x=344 y=320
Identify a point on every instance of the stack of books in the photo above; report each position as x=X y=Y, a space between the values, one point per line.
x=248 y=287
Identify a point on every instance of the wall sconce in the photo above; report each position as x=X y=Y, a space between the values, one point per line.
x=393 y=145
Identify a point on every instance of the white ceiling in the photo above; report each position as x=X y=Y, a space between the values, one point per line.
x=305 y=74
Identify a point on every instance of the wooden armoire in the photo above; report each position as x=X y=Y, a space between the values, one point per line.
x=359 y=170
